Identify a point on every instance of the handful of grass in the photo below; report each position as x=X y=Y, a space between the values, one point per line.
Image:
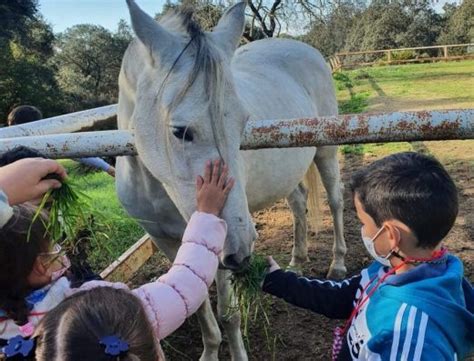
x=249 y=296
x=67 y=208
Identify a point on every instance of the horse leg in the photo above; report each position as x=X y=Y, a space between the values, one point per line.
x=297 y=203
x=228 y=317
x=211 y=334
x=328 y=166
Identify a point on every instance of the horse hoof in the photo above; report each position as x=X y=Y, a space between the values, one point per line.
x=207 y=357
x=296 y=269
x=298 y=261
x=336 y=274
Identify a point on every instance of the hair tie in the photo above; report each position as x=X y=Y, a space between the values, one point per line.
x=114 y=345
x=18 y=346
x=27 y=330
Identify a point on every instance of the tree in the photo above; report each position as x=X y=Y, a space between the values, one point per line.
x=14 y=15
x=424 y=27
x=27 y=76
x=330 y=35
x=378 y=27
x=459 y=27
x=88 y=58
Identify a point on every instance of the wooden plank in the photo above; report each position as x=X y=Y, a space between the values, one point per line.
x=403 y=49
x=361 y=52
x=131 y=261
x=438 y=58
x=419 y=60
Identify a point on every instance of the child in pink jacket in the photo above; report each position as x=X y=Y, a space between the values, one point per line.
x=43 y=318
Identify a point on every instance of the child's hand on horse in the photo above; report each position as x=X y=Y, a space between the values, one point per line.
x=213 y=188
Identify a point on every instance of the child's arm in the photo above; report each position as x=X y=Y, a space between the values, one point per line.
x=330 y=298
x=97 y=163
x=179 y=293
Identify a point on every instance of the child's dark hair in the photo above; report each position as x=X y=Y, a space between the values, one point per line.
x=85 y=318
x=24 y=114
x=20 y=245
x=18 y=153
x=412 y=188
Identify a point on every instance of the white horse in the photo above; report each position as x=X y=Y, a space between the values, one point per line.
x=188 y=94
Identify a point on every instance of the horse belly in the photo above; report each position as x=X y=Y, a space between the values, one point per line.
x=272 y=174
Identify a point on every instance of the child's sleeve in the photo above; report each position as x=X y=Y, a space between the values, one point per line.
x=95 y=162
x=329 y=298
x=178 y=294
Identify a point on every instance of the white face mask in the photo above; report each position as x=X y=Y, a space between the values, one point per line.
x=369 y=245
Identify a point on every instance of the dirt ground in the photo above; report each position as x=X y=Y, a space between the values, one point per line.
x=297 y=334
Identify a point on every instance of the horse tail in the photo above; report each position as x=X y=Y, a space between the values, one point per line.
x=312 y=181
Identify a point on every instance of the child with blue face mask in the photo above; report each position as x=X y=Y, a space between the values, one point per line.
x=413 y=302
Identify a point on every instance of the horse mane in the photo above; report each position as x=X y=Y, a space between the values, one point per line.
x=208 y=61
x=181 y=20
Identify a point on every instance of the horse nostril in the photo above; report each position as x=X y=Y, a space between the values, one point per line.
x=245 y=263
x=231 y=262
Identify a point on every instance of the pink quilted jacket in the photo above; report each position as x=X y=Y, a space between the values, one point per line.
x=168 y=301
x=178 y=294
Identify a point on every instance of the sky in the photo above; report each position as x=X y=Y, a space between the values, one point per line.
x=62 y=14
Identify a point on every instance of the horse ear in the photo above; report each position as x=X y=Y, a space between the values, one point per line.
x=151 y=34
x=230 y=27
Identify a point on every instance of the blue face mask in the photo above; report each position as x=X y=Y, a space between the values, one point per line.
x=369 y=245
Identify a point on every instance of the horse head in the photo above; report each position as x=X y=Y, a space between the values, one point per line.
x=187 y=111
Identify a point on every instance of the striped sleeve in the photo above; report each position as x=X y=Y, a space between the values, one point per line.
x=329 y=298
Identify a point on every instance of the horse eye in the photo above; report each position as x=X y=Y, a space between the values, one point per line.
x=183 y=133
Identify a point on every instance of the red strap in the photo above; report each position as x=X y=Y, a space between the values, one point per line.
x=32 y=314
x=38 y=313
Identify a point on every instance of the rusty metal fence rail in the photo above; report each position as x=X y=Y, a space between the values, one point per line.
x=343 y=129
x=335 y=130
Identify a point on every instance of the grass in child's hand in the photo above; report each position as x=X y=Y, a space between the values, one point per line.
x=247 y=288
x=68 y=212
x=247 y=283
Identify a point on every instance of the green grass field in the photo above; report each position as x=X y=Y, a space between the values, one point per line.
x=116 y=231
x=410 y=87
x=402 y=88
x=377 y=89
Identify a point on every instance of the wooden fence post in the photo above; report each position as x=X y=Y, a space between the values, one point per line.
x=338 y=63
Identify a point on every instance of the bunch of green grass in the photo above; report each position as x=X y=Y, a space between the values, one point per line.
x=251 y=302
x=68 y=212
